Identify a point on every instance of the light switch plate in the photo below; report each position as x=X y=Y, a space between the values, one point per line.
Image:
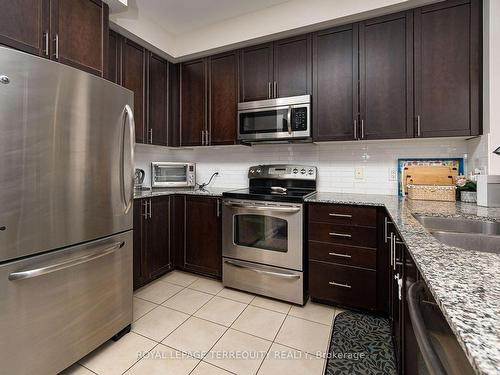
x=393 y=175
x=358 y=173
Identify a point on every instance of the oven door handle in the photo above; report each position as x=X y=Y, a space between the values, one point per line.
x=289 y=210
x=264 y=272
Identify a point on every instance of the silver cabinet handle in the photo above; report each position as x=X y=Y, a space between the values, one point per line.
x=362 y=129
x=275 y=89
x=56 y=39
x=46 y=43
x=391 y=256
x=418 y=125
x=208 y=138
x=203 y=137
x=150 y=131
x=262 y=271
x=150 y=209
x=28 y=274
x=340 y=215
x=386 y=228
x=269 y=96
x=265 y=208
x=355 y=129
x=289 y=119
x=340 y=255
x=218 y=207
x=128 y=118
x=333 y=283
x=333 y=234
x=145 y=205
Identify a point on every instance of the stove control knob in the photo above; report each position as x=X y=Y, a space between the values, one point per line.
x=311 y=172
x=295 y=171
x=303 y=171
x=259 y=170
x=252 y=171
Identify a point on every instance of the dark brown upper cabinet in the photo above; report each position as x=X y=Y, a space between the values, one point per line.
x=33 y=36
x=335 y=82
x=79 y=30
x=157 y=95
x=386 y=77
x=194 y=103
x=223 y=98
x=276 y=70
x=115 y=45
x=134 y=79
x=448 y=69
x=73 y=32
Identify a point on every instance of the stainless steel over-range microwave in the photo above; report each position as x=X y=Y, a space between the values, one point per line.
x=280 y=119
x=173 y=174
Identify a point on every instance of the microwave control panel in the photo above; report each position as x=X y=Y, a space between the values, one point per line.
x=299 y=119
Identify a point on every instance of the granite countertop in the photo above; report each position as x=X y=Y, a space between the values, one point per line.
x=465 y=284
x=210 y=192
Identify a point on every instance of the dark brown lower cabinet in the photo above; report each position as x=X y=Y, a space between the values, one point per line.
x=152 y=228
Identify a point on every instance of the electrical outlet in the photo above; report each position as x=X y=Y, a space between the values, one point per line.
x=358 y=173
x=393 y=175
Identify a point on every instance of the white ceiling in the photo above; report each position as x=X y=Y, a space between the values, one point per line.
x=180 y=16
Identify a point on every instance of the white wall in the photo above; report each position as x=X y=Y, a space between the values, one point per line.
x=335 y=161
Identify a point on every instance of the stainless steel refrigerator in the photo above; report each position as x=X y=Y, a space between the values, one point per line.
x=66 y=191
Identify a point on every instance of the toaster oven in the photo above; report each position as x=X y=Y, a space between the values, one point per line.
x=173 y=174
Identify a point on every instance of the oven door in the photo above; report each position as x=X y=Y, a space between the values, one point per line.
x=171 y=174
x=263 y=232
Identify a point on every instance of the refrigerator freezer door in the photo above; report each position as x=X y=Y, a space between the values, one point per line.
x=66 y=156
x=57 y=307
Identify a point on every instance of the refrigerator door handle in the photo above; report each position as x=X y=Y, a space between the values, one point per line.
x=28 y=274
x=129 y=119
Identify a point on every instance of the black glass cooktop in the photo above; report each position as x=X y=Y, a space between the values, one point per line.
x=267 y=194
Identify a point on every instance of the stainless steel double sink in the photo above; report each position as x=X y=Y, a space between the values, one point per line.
x=466 y=234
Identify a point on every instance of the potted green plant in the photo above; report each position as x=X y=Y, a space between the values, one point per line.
x=467 y=189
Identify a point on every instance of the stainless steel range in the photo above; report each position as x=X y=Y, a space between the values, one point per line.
x=263 y=232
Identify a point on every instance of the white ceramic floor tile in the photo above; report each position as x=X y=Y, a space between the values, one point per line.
x=158 y=291
x=116 y=357
x=238 y=352
x=187 y=301
x=271 y=304
x=221 y=310
x=314 y=311
x=205 y=368
x=283 y=360
x=207 y=285
x=76 y=369
x=159 y=323
x=163 y=360
x=141 y=307
x=236 y=295
x=304 y=335
x=195 y=336
x=259 y=322
x=179 y=278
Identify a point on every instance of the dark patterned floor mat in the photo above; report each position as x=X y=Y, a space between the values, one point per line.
x=361 y=344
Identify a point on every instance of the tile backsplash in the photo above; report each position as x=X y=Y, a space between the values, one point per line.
x=358 y=167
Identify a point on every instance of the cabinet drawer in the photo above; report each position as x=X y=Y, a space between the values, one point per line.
x=343 y=214
x=343 y=234
x=343 y=254
x=342 y=284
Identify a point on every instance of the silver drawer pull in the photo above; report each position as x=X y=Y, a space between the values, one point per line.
x=340 y=215
x=341 y=285
x=333 y=234
x=340 y=255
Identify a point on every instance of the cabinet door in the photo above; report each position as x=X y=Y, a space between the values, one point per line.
x=158 y=241
x=335 y=81
x=133 y=78
x=157 y=120
x=24 y=25
x=292 y=66
x=397 y=304
x=447 y=69
x=203 y=251
x=115 y=57
x=79 y=29
x=410 y=346
x=139 y=267
x=386 y=77
x=193 y=102
x=223 y=98
x=256 y=72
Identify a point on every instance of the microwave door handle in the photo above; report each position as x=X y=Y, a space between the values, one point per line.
x=289 y=119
